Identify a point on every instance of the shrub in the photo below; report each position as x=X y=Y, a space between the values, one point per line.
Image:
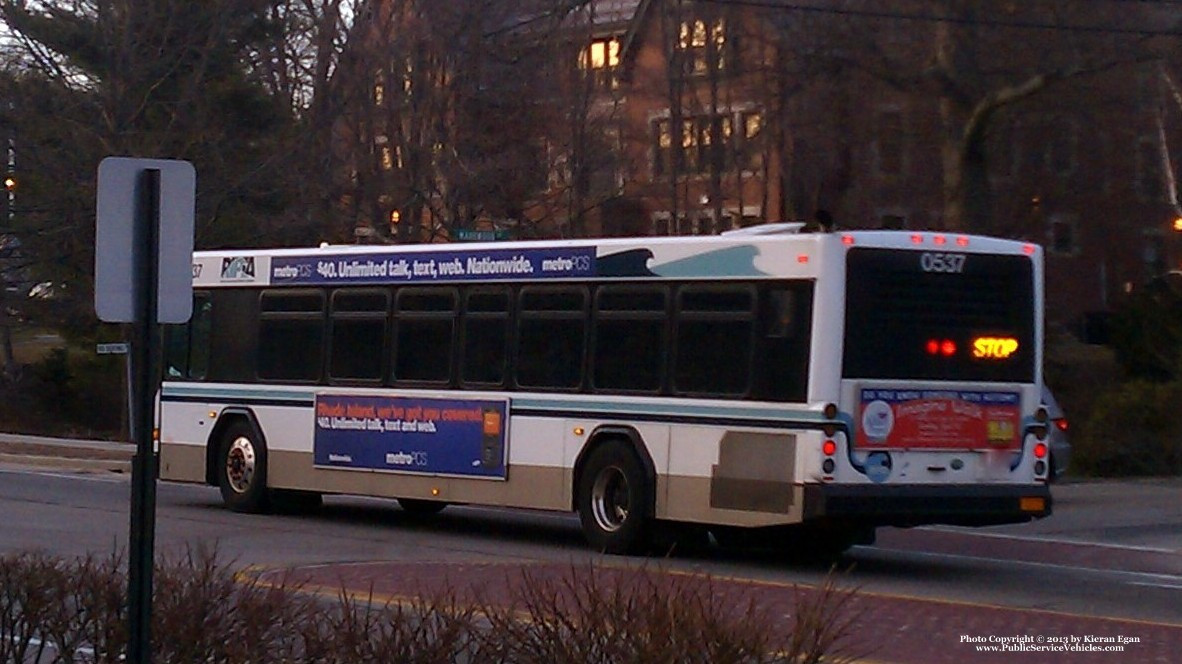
x=1133 y=429
x=59 y=611
x=66 y=394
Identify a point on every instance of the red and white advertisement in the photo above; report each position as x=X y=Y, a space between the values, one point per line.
x=938 y=419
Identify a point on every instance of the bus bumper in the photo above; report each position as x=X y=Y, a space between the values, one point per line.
x=917 y=505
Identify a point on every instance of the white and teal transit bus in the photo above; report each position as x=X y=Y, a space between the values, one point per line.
x=766 y=380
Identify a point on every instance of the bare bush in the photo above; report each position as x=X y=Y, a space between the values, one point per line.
x=605 y=616
x=59 y=611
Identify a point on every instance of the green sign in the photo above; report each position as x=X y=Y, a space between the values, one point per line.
x=471 y=235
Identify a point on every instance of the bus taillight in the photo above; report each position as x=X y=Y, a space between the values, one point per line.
x=829 y=448
x=1040 y=450
x=945 y=347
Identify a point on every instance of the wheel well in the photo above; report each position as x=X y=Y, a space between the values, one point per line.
x=604 y=435
x=226 y=419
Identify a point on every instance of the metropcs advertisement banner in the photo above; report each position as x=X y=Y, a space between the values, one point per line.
x=430 y=266
x=939 y=419
x=463 y=437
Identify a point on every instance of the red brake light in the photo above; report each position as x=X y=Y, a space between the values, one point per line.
x=829 y=448
x=948 y=348
x=1040 y=451
x=917 y=239
x=939 y=239
x=847 y=240
x=962 y=241
x=1061 y=423
x=932 y=347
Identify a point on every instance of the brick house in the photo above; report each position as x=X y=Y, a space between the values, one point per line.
x=691 y=99
x=674 y=117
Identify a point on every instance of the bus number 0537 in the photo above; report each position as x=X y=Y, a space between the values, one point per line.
x=935 y=262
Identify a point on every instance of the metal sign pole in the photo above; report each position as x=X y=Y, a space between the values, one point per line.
x=143 y=468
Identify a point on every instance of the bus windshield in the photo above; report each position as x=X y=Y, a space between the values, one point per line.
x=938 y=316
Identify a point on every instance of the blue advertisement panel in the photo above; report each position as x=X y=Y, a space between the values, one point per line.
x=433 y=266
x=462 y=437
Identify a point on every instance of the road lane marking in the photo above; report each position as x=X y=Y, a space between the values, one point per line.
x=1051 y=540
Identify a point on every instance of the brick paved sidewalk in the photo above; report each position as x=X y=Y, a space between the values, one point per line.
x=886 y=628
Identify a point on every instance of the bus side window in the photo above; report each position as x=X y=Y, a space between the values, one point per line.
x=551 y=337
x=714 y=327
x=357 y=334
x=186 y=346
x=199 y=332
x=424 y=334
x=782 y=372
x=287 y=320
x=631 y=338
x=485 y=337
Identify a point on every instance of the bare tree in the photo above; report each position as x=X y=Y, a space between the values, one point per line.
x=974 y=60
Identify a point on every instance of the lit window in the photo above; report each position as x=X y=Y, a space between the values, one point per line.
x=601 y=58
x=703 y=44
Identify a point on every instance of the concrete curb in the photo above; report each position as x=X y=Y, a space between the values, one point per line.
x=65 y=463
x=65 y=453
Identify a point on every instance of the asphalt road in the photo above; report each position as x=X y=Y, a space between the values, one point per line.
x=1108 y=562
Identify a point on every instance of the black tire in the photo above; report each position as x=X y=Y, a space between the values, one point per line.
x=242 y=468
x=419 y=507
x=613 y=498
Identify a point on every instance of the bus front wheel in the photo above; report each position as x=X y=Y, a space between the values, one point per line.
x=242 y=469
x=612 y=500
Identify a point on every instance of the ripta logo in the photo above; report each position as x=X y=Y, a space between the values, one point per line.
x=238 y=268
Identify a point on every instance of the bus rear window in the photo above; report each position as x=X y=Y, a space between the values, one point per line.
x=938 y=316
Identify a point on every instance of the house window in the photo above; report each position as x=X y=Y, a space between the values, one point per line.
x=601 y=59
x=890 y=142
x=707 y=144
x=748 y=148
x=662 y=224
x=702 y=44
x=663 y=150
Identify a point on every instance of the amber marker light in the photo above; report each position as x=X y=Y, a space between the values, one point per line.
x=1032 y=504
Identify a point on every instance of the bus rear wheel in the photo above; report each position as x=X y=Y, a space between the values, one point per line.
x=612 y=500
x=242 y=469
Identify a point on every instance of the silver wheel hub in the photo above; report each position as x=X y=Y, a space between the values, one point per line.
x=610 y=496
x=240 y=464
